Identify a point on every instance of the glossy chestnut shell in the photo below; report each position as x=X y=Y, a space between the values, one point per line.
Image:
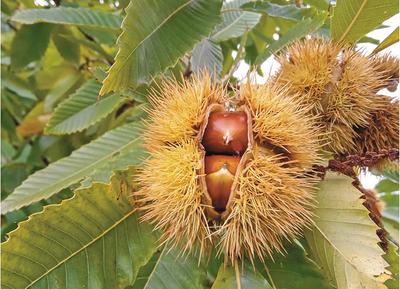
x=225 y=141
x=220 y=170
x=226 y=133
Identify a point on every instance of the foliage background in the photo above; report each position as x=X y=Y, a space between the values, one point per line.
x=61 y=141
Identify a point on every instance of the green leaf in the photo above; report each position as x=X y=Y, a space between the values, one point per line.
x=386 y=186
x=60 y=89
x=249 y=278
x=352 y=19
x=293 y=270
x=236 y=21
x=101 y=36
x=343 y=240
x=300 y=30
x=391 y=209
x=392 y=257
x=29 y=44
x=11 y=220
x=367 y=39
x=393 y=38
x=207 y=56
x=169 y=270
x=320 y=4
x=66 y=45
x=17 y=85
x=388 y=193
x=290 y=11
x=93 y=240
x=155 y=35
x=7 y=152
x=12 y=175
x=82 y=109
x=113 y=145
x=83 y=17
x=392 y=175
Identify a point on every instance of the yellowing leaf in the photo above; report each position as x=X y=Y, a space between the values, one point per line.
x=34 y=122
x=343 y=240
x=393 y=38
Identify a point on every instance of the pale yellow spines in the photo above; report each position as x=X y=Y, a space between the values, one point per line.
x=178 y=109
x=337 y=82
x=382 y=132
x=170 y=196
x=388 y=67
x=281 y=121
x=273 y=203
x=276 y=184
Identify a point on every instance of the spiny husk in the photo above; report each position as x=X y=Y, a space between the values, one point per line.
x=170 y=196
x=388 y=67
x=282 y=123
x=336 y=82
x=273 y=190
x=382 y=131
x=272 y=203
x=178 y=110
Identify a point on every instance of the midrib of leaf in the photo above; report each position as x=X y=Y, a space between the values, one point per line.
x=155 y=267
x=147 y=37
x=353 y=21
x=230 y=25
x=83 y=247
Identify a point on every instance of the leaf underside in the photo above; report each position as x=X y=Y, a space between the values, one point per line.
x=82 y=109
x=102 y=153
x=83 y=17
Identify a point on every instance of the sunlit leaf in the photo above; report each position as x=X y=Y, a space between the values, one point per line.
x=393 y=38
x=343 y=240
x=352 y=19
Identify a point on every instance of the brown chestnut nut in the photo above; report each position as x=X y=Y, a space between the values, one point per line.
x=220 y=174
x=226 y=133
